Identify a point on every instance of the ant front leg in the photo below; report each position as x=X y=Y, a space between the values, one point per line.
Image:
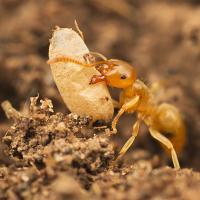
x=161 y=138
x=131 y=104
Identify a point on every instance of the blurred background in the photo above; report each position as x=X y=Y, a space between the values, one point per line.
x=161 y=39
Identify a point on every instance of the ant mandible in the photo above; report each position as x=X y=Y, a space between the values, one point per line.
x=137 y=97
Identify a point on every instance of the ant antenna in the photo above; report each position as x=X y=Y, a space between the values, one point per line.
x=99 y=55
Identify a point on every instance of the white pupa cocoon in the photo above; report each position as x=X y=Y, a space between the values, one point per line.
x=73 y=80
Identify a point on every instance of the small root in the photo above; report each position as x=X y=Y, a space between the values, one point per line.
x=11 y=113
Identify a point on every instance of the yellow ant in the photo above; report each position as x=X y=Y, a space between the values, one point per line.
x=163 y=119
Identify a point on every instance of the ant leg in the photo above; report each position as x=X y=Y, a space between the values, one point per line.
x=116 y=104
x=161 y=138
x=130 y=141
x=131 y=104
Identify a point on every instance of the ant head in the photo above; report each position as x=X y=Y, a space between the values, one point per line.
x=121 y=75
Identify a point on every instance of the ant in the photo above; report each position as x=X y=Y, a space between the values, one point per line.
x=161 y=119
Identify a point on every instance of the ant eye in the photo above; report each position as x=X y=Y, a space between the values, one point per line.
x=123 y=76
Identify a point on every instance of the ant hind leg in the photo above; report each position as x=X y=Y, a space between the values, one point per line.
x=161 y=138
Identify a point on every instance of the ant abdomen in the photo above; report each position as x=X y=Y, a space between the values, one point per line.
x=168 y=121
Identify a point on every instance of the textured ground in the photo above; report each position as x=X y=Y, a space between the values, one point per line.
x=56 y=156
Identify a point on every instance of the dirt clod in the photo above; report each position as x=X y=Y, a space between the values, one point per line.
x=51 y=158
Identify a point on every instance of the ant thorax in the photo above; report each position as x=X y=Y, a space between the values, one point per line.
x=140 y=89
x=146 y=104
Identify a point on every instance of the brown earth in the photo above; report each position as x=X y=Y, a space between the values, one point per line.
x=58 y=156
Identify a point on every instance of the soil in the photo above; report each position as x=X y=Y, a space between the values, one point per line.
x=46 y=153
